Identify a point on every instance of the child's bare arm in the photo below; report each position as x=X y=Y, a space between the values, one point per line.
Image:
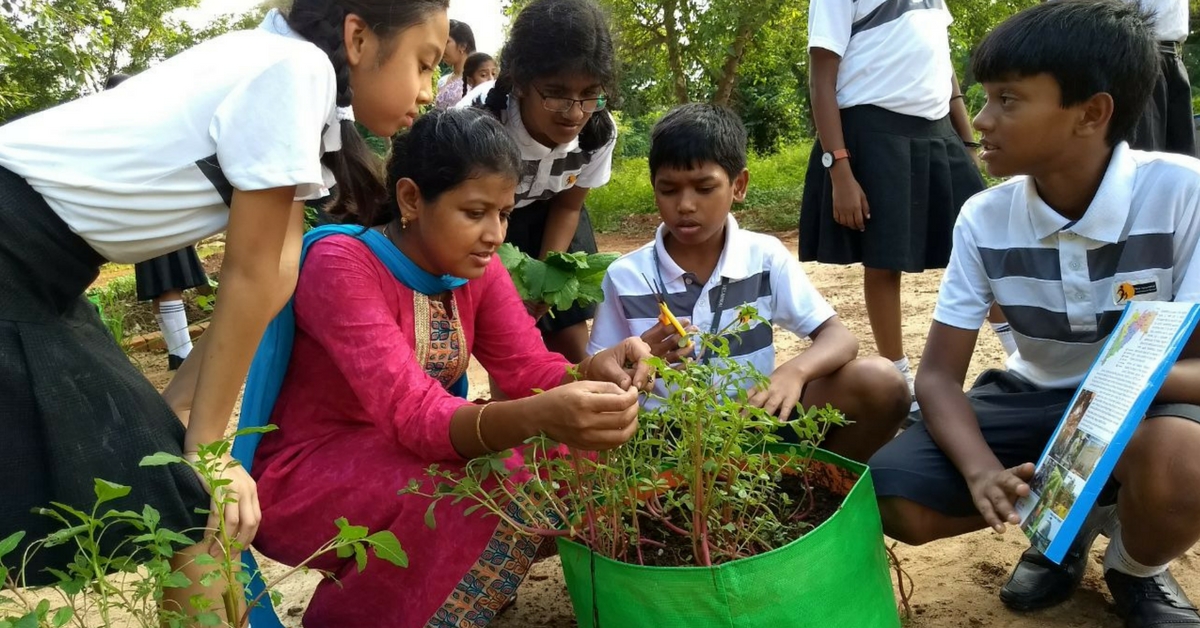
x=833 y=347
x=850 y=207
x=954 y=427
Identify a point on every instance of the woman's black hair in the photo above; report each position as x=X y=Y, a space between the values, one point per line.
x=441 y=151
x=472 y=65
x=322 y=22
x=462 y=35
x=555 y=38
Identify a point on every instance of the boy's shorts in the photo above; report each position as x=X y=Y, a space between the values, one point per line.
x=1017 y=419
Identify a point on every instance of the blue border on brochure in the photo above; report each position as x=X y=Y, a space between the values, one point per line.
x=1057 y=549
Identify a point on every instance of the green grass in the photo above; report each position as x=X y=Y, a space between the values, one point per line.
x=772 y=202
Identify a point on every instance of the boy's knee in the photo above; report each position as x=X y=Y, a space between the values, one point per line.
x=880 y=385
x=906 y=521
x=1160 y=467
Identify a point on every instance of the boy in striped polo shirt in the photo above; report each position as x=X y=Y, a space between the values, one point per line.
x=710 y=267
x=1056 y=249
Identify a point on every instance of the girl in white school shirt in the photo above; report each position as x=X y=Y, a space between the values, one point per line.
x=230 y=135
x=554 y=107
x=891 y=169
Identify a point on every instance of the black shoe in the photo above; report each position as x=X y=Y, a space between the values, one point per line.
x=1155 y=602
x=1037 y=582
x=174 y=362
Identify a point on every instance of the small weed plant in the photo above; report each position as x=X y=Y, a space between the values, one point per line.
x=123 y=586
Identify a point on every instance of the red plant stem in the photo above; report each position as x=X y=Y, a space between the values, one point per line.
x=645 y=541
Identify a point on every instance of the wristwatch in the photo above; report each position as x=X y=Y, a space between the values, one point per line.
x=828 y=159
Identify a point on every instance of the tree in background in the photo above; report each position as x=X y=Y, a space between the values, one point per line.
x=52 y=51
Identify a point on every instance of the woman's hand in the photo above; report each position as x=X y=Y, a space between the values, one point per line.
x=536 y=309
x=623 y=365
x=589 y=415
x=850 y=208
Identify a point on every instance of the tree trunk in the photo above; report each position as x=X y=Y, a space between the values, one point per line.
x=732 y=62
x=674 y=56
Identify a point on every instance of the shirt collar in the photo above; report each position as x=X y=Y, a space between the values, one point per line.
x=1105 y=218
x=733 y=263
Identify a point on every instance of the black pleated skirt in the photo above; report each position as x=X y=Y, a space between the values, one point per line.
x=72 y=406
x=179 y=270
x=916 y=175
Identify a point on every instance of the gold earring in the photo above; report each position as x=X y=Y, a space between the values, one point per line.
x=403 y=223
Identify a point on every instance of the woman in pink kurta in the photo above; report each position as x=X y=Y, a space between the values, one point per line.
x=364 y=407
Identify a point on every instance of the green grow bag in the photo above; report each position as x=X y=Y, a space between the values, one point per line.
x=835 y=576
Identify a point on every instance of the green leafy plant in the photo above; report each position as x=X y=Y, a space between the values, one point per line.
x=123 y=584
x=696 y=485
x=112 y=301
x=562 y=280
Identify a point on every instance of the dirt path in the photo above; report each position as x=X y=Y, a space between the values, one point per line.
x=956 y=580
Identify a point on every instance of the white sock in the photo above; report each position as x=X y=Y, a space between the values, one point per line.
x=172 y=319
x=1118 y=558
x=1004 y=333
x=902 y=365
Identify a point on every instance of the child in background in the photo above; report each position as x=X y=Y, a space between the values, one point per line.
x=1066 y=82
x=710 y=267
x=892 y=165
x=480 y=68
x=459 y=46
x=553 y=104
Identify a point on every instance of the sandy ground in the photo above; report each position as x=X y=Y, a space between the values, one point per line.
x=956 y=580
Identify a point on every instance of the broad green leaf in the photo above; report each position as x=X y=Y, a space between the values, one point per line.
x=160 y=459
x=360 y=557
x=62 y=616
x=387 y=547
x=534 y=273
x=150 y=516
x=256 y=430
x=511 y=256
x=107 y=491
x=430 y=522
x=347 y=532
x=10 y=542
x=555 y=281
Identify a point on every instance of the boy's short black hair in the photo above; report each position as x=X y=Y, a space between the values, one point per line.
x=692 y=134
x=1087 y=46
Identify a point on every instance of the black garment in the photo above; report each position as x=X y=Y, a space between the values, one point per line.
x=1166 y=123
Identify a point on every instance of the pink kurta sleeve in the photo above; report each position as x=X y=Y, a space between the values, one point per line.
x=508 y=344
x=340 y=303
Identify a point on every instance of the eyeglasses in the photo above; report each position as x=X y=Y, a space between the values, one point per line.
x=558 y=104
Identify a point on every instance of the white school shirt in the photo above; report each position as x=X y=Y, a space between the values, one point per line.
x=149 y=167
x=895 y=53
x=754 y=268
x=1063 y=284
x=547 y=171
x=1170 y=18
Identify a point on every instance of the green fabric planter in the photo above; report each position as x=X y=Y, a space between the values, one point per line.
x=836 y=575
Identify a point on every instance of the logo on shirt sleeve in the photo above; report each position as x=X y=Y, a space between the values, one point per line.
x=571 y=179
x=1127 y=291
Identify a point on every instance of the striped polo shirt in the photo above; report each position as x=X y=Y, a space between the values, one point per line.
x=753 y=268
x=1063 y=284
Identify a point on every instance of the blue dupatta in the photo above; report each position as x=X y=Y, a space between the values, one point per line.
x=271 y=361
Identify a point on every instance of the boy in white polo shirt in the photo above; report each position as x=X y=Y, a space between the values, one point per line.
x=710 y=267
x=1066 y=82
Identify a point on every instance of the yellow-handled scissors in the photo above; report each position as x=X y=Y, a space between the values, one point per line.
x=665 y=316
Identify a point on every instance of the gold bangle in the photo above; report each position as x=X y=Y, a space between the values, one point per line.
x=479 y=428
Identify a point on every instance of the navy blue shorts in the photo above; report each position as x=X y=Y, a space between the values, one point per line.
x=1017 y=419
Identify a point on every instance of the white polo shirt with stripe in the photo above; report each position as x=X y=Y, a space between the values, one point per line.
x=1063 y=284
x=754 y=268
x=895 y=53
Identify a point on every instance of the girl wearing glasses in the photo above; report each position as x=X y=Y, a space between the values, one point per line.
x=553 y=106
